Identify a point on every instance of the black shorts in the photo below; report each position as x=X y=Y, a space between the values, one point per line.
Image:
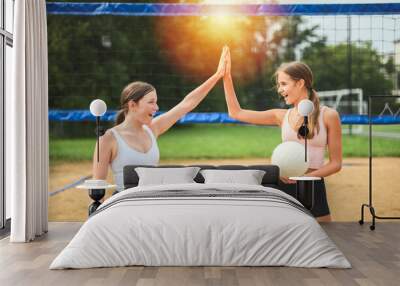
x=321 y=207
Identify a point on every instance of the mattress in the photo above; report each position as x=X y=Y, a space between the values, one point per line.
x=201 y=225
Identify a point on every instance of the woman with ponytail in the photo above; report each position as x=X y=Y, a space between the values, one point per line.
x=133 y=139
x=294 y=82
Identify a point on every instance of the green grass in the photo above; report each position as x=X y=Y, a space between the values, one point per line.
x=376 y=128
x=384 y=128
x=221 y=141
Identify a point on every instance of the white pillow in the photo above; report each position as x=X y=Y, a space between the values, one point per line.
x=163 y=176
x=248 y=177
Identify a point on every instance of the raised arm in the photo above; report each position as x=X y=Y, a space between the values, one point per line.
x=267 y=117
x=163 y=122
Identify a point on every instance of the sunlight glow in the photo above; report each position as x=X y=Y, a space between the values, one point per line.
x=194 y=44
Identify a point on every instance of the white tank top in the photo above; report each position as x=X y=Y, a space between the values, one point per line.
x=126 y=155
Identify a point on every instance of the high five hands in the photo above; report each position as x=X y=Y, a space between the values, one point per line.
x=224 y=66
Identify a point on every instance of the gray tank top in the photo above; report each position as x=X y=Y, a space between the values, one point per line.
x=127 y=155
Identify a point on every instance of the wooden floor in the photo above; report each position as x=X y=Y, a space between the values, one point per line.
x=374 y=255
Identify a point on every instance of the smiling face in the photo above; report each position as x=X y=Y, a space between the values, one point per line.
x=289 y=88
x=145 y=108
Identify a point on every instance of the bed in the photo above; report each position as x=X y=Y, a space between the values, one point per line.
x=201 y=224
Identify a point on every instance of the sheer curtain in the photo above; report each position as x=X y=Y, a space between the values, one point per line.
x=27 y=123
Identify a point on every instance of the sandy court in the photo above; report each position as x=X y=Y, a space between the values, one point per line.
x=346 y=190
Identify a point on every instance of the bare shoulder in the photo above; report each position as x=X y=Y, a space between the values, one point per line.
x=280 y=114
x=331 y=116
x=108 y=138
x=153 y=127
x=330 y=113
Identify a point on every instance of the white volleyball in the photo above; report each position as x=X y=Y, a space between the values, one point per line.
x=289 y=157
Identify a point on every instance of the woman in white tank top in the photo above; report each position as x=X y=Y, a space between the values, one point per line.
x=133 y=141
x=295 y=83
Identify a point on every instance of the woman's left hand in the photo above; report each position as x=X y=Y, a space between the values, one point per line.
x=222 y=63
x=228 y=63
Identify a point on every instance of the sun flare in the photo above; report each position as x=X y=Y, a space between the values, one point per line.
x=194 y=43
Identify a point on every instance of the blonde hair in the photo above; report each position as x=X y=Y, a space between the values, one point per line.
x=297 y=71
x=133 y=91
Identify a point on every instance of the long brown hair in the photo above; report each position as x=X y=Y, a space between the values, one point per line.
x=133 y=91
x=298 y=71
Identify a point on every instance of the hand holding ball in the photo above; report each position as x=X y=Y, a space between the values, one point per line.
x=289 y=157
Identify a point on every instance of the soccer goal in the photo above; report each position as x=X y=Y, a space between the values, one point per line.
x=345 y=101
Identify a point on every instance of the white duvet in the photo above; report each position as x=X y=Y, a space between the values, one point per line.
x=207 y=230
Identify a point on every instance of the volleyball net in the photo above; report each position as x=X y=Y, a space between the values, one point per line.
x=95 y=49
